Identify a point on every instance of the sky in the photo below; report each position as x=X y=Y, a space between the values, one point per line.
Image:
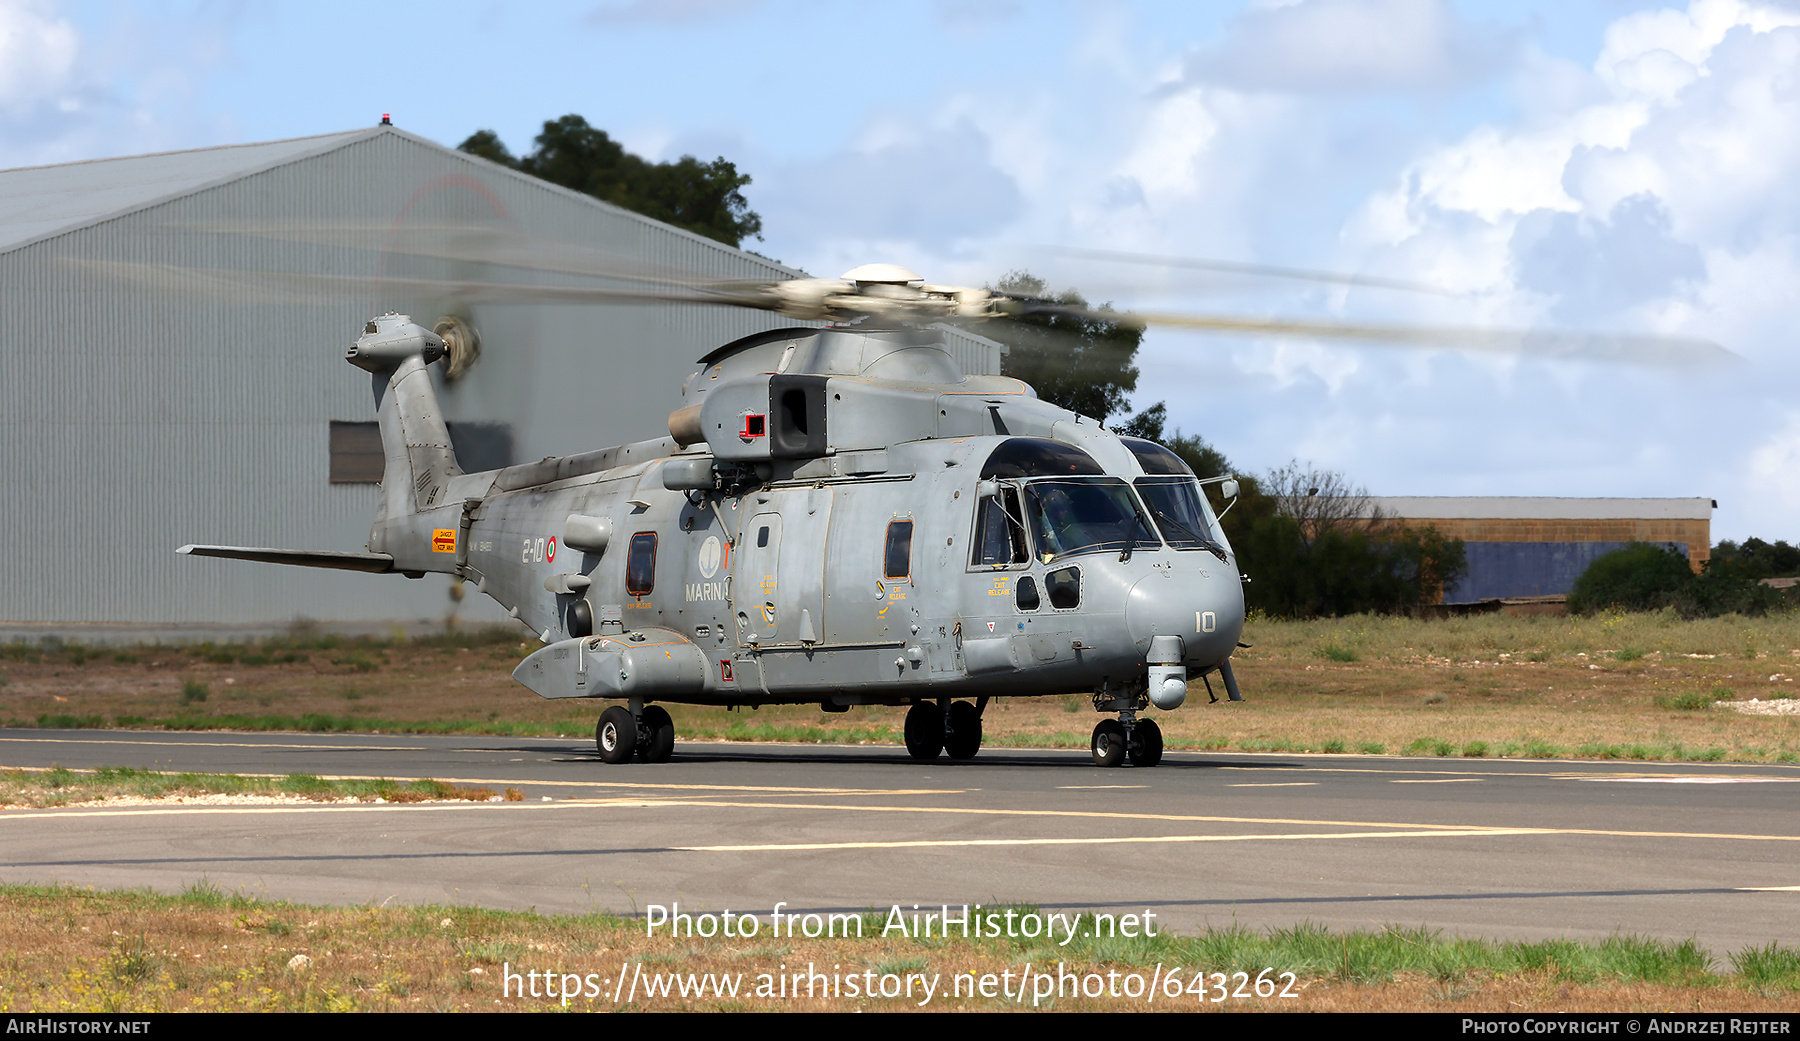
x=1583 y=165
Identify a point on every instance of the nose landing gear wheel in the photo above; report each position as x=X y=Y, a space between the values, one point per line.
x=924 y=731
x=661 y=745
x=616 y=736
x=964 y=739
x=1146 y=743
x=1108 y=743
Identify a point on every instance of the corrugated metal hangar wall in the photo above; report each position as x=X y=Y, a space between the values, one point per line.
x=172 y=331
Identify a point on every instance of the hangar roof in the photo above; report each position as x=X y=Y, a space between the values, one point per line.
x=37 y=202
x=1502 y=507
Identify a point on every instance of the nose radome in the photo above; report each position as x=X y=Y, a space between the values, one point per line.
x=1207 y=614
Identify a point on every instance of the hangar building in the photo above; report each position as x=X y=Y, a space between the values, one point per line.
x=1536 y=547
x=172 y=332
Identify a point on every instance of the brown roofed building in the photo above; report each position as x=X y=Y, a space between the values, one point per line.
x=1537 y=546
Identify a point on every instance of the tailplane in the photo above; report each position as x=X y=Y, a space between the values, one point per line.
x=419 y=521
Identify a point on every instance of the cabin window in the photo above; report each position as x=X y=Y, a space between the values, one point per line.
x=1037 y=457
x=762 y=537
x=999 y=532
x=1027 y=596
x=897 y=560
x=1155 y=459
x=1064 y=586
x=640 y=564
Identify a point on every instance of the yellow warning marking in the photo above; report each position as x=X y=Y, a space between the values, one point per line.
x=443 y=540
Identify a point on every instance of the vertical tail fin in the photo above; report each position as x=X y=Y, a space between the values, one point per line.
x=414 y=439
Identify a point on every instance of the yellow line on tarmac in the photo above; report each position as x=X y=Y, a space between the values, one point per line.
x=1276 y=784
x=986 y=811
x=1440 y=780
x=1132 y=839
x=1424 y=829
x=1561 y=773
x=737 y=788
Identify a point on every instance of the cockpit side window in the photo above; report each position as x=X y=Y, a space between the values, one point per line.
x=897 y=558
x=1175 y=506
x=999 y=532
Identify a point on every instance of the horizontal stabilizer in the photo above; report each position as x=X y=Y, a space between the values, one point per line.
x=374 y=563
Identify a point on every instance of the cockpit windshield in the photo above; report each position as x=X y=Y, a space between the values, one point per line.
x=1085 y=515
x=1174 y=504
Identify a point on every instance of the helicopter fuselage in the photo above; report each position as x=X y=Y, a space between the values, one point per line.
x=837 y=590
x=839 y=516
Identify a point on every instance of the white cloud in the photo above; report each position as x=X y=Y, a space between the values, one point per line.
x=1352 y=45
x=37 y=58
x=1775 y=469
x=1166 y=159
x=1714 y=146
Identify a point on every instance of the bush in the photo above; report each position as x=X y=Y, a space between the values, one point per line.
x=1639 y=577
x=1647 y=577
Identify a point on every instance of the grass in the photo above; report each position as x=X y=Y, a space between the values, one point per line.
x=1623 y=686
x=60 y=787
x=206 y=949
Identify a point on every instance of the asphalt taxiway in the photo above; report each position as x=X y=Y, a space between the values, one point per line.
x=1496 y=848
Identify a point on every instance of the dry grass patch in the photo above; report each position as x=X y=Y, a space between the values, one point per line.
x=73 y=950
x=124 y=785
x=1625 y=686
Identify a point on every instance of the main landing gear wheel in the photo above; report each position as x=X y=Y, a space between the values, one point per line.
x=1146 y=743
x=964 y=738
x=660 y=744
x=924 y=731
x=617 y=735
x=1108 y=743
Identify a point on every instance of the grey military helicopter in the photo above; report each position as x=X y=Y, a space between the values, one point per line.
x=837 y=516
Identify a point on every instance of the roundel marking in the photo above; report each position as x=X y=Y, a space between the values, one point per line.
x=550 y=550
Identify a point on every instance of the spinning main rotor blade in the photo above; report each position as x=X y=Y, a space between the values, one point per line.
x=840 y=301
x=1231 y=267
x=465 y=244
x=1621 y=348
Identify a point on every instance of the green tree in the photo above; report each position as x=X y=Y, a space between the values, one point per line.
x=1637 y=577
x=704 y=198
x=1301 y=566
x=1082 y=364
x=1758 y=559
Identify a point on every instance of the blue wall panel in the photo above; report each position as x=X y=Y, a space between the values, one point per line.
x=1506 y=569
